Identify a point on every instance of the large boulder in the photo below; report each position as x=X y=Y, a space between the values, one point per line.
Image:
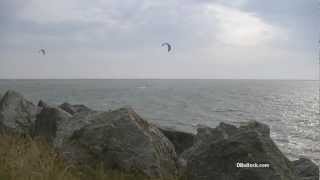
x=48 y=121
x=16 y=113
x=181 y=140
x=121 y=139
x=219 y=152
x=73 y=109
x=306 y=169
x=57 y=124
x=203 y=137
x=66 y=129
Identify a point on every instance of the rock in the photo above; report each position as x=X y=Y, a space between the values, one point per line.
x=260 y=128
x=56 y=124
x=122 y=140
x=306 y=169
x=16 y=113
x=73 y=109
x=180 y=140
x=48 y=121
x=223 y=131
x=217 y=151
x=42 y=104
x=204 y=136
x=66 y=128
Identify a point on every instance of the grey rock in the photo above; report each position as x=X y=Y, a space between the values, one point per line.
x=222 y=131
x=260 y=128
x=48 y=121
x=121 y=139
x=205 y=135
x=181 y=140
x=218 y=150
x=306 y=169
x=16 y=113
x=43 y=104
x=73 y=109
x=66 y=129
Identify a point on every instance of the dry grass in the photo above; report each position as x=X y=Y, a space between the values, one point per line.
x=23 y=158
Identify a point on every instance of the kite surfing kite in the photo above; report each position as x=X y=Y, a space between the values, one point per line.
x=168 y=46
x=42 y=51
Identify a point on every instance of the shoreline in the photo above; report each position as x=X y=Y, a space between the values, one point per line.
x=74 y=129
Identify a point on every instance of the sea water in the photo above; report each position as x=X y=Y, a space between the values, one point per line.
x=289 y=107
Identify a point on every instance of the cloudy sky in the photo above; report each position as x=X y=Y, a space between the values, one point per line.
x=274 y=39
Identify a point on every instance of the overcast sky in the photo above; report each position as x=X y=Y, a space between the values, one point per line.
x=268 y=39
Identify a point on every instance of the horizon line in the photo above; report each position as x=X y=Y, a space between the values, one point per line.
x=280 y=79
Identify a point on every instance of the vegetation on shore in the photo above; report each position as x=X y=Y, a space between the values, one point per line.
x=24 y=158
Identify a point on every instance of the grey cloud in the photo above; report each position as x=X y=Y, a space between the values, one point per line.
x=129 y=33
x=301 y=17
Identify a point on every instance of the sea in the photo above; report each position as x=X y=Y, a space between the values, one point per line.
x=289 y=107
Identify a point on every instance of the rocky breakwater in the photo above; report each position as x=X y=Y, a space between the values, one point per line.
x=121 y=139
x=245 y=153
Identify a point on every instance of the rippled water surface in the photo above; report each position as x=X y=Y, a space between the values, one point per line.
x=289 y=107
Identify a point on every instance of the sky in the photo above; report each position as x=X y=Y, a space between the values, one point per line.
x=211 y=39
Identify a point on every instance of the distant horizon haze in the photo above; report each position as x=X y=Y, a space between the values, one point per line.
x=158 y=79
